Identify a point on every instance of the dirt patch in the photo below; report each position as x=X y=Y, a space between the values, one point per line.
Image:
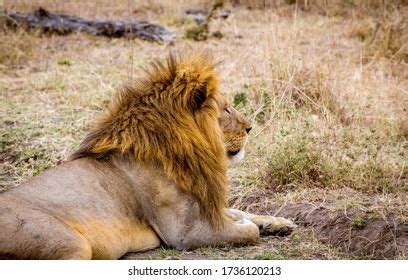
x=351 y=230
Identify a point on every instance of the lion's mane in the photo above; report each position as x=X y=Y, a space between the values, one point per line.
x=170 y=117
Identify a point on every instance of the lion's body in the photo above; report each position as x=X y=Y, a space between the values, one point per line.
x=152 y=170
x=79 y=204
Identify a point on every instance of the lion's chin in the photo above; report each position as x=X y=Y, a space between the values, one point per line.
x=237 y=157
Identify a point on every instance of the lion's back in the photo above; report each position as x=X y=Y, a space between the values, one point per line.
x=73 y=189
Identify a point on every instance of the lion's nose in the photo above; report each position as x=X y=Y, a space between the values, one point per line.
x=248 y=129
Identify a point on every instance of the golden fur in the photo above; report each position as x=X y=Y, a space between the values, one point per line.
x=151 y=170
x=192 y=151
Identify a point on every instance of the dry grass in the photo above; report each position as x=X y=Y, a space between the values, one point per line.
x=326 y=88
x=16 y=50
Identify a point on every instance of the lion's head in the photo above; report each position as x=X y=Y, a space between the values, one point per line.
x=175 y=117
x=235 y=128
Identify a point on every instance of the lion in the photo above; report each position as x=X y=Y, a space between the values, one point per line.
x=151 y=171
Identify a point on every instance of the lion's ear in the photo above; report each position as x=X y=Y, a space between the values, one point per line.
x=199 y=96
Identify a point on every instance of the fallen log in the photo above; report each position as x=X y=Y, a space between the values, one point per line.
x=64 y=24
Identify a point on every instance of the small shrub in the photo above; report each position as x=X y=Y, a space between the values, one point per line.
x=240 y=100
x=367 y=159
x=293 y=160
x=359 y=222
x=259 y=109
x=197 y=32
x=64 y=62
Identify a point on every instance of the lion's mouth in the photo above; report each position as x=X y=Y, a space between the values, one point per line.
x=233 y=153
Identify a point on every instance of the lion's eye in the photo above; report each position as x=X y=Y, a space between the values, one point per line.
x=228 y=110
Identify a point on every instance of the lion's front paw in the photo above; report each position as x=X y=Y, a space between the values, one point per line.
x=277 y=226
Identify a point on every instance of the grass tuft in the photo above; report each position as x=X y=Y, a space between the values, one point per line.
x=17 y=49
x=368 y=159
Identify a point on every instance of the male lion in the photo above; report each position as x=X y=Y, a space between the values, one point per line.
x=152 y=170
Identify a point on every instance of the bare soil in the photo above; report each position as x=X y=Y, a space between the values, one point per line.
x=384 y=238
x=373 y=238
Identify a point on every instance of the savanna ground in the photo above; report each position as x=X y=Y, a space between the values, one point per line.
x=324 y=82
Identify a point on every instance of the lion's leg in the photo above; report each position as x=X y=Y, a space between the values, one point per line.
x=33 y=234
x=78 y=249
x=240 y=232
x=68 y=246
x=178 y=233
x=267 y=224
x=144 y=238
